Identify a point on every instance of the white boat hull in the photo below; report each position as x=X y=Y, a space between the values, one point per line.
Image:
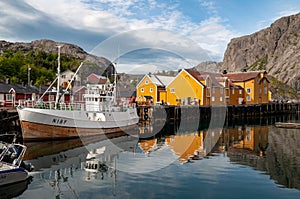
x=38 y=124
x=10 y=174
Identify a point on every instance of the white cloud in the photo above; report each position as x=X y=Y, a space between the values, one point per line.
x=109 y=17
x=268 y=21
x=213 y=35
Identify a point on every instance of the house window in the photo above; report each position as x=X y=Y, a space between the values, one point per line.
x=221 y=99
x=232 y=91
x=51 y=97
x=142 y=90
x=248 y=98
x=260 y=91
x=213 y=90
x=172 y=90
x=266 y=90
x=147 y=82
x=213 y=99
x=151 y=90
x=8 y=97
x=1 y=96
x=240 y=91
x=248 y=90
x=221 y=90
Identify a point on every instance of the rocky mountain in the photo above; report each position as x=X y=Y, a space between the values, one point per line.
x=209 y=66
x=275 y=49
x=49 y=46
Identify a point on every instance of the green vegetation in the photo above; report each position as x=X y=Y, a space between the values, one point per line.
x=281 y=90
x=14 y=66
x=259 y=64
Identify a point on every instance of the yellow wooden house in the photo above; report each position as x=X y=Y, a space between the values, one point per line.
x=151 y=90
x=255 y=85
x=186 y=89
x=191 y=87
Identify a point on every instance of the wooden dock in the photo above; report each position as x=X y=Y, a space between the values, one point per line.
x=173 y=113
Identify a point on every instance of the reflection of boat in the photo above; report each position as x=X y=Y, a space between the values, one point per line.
x=98 y=114
x=14 y=190
x=12 y=167
x=287 y=125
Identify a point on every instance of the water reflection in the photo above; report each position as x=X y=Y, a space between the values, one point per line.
x=71 y=169
x=14 y=190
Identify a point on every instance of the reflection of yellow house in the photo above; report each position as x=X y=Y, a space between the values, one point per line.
x=152 y=89
x=185 y=146
x=252 y=138
x=147 y=145
x=255 y=85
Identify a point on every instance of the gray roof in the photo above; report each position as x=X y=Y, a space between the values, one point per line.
x=161 y=80
x=5 y=88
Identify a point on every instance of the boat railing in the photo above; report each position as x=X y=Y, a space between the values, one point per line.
x=51 y=105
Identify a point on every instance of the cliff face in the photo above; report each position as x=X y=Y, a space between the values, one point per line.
x=275 y=49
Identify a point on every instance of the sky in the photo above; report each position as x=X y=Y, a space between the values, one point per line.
x=139 y=34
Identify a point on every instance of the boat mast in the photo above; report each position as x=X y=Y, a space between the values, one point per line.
x=58 y=78
x=115 y=84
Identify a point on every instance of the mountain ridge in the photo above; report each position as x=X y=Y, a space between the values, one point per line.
x=275 y=49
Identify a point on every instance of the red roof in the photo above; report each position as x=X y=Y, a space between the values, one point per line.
x=200 y=76
x=242 y=76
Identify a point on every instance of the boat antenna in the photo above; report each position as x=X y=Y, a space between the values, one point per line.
x=58 y=78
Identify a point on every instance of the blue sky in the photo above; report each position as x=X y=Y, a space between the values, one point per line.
x=208 y=23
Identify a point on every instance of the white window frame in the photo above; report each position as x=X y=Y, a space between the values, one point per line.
x=8 y=97
x=240 y=91
x=232 y=91
x=172 y=90
x=1 y=96
x=212 y=98
x=151 y=90
x=146 y=82
x=248 y=98
x=248 y=90
x=142 y=90
x=221 y=99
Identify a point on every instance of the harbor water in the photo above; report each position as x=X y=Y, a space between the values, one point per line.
x=247 y=159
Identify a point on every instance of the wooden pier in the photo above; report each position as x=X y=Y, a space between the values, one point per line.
x=173 y=113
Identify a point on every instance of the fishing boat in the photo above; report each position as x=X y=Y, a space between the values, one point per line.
x=98 y=113
x=12 y=167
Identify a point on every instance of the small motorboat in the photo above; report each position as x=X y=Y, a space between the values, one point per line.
x=290 y=125
x=12 y=167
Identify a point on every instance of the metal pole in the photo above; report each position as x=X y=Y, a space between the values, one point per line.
x=58 y=78
x=29 y=75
